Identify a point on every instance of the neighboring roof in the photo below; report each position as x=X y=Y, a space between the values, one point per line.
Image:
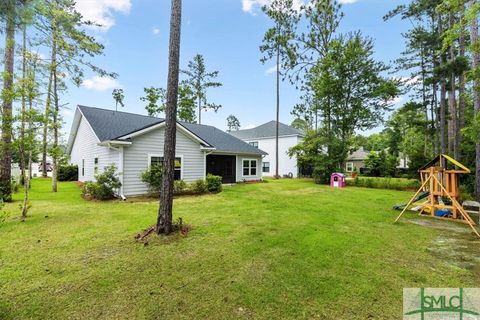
x=111 y=125
x=221 y=140
x=267 y=130
x=359 y=154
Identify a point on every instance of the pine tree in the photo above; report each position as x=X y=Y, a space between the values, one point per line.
x=200 y=80
x=164 y=219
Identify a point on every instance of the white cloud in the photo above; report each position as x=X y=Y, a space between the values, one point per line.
x=250 y=126
x=101 y=83
x=396 y=101
x=67 y=113
x=101 y=11
x=347 y=1
x=271 y=70
x=250 y=6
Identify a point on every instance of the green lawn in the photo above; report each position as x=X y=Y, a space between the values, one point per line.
x=279 y=250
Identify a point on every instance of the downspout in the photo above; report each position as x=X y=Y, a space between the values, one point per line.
x=120 y=169
x=206 y=153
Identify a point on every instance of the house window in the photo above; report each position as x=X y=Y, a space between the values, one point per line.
x=349 y=167
x=266 y=167
x=254 y=144
x=83 y=167
x=178 y=165
x=249 y=168
x=95 y=166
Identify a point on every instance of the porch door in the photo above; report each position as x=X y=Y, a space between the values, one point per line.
x=223 y=166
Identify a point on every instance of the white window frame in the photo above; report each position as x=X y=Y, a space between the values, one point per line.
x=264 y=166
x=250 y=167
x=347 y=165
x=252 y=144
x=158 y=155
x=96 y=166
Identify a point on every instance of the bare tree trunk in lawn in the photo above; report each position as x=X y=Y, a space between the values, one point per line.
x=164 y=220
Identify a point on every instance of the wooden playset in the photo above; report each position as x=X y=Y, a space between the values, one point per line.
x=441 y=190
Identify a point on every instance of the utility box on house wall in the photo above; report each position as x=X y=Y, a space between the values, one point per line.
x=337 y=180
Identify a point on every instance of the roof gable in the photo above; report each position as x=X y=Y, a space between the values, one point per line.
x=109 y=124
x=267 y=130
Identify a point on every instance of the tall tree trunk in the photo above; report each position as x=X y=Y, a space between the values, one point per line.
x=461 y=89
x=55 y=126
x=199 y=103
x=424 y=101
x=7 y=97
x=24 y=99
x=48 y=104
x=164 y=220
x=22 y=145
x=434 y=102
x=277 y=175
x=452 y=101
x=55 y=112
x=434 y=119
x=476 y=96
x=443 y=95
x=30 y=135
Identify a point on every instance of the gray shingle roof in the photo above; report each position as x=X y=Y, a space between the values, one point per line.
x=266 y=130
x=221 y=140
x=111 y=125
x=359 y=154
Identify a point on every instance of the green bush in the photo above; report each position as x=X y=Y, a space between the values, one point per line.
x=153 y=178
x=68 y=173
x=105 y=186
x=384 y=183
x=198 y=186
x=321 y=175
x=214 y=183
x=179 y=186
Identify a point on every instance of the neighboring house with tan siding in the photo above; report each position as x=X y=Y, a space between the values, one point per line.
x=357 y=160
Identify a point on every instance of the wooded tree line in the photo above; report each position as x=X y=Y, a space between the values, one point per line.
x=442 y=112
x=46 y=49
x=345 y=90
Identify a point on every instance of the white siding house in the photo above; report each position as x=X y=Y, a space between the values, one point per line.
x=131 y=142
x=263 y=137
x=86 y=149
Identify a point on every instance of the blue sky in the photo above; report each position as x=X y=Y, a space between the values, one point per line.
x=228 y=34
